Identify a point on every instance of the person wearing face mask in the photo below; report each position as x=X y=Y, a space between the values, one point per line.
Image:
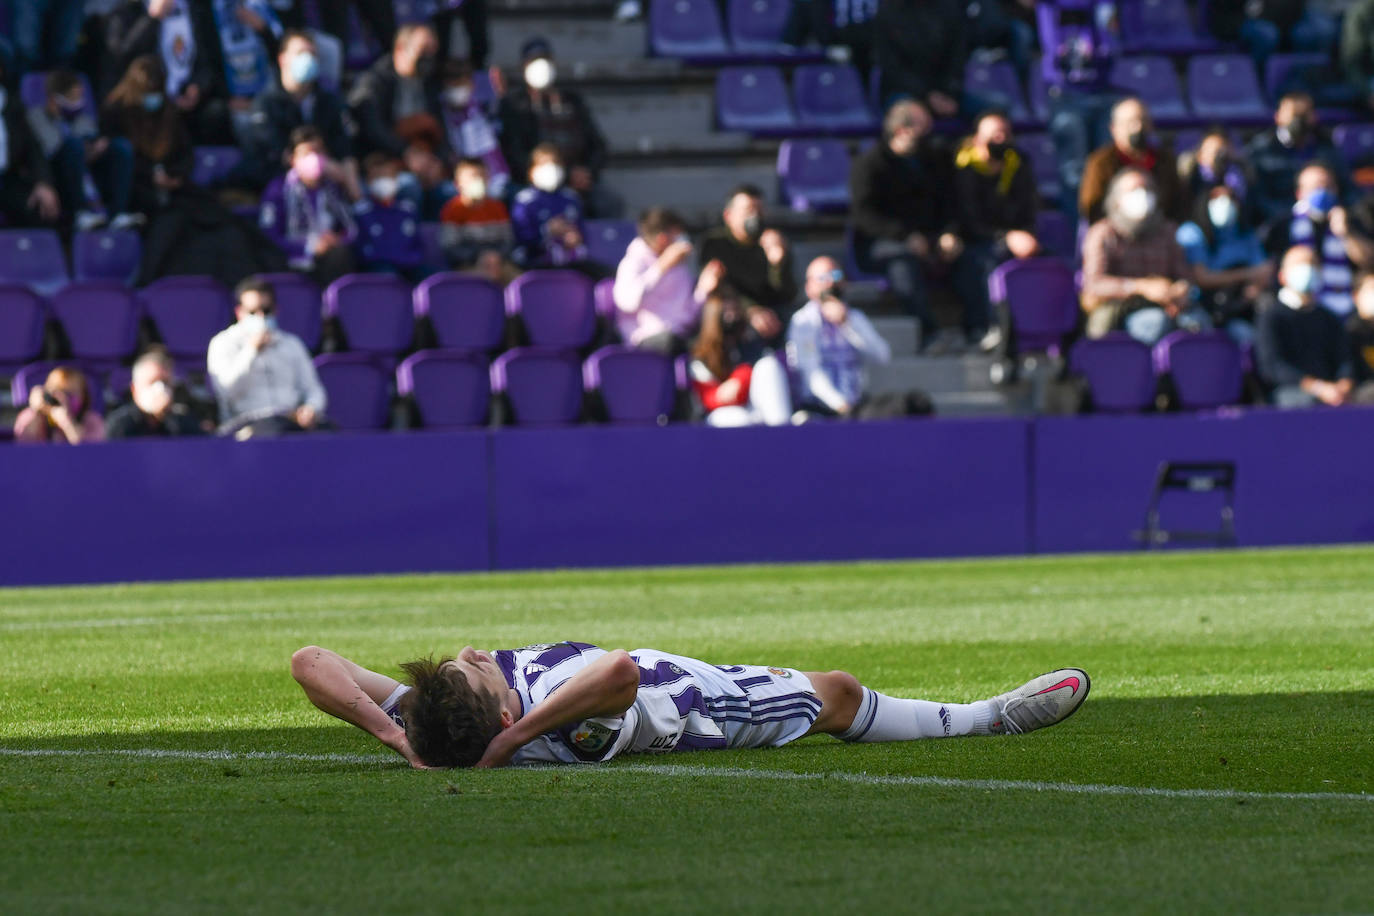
x=263 y=376
x=1278 y=154
x=1135 y=275
x=547 y=216
x=1301 y=349
x=755 y=261
x=1216 y=162
x=60 y=411
x=155 y=409
x=1133 y=144
x=138 y=108
x=27 y=193
x=470 y=128
x=476 y=224
x=398 y=96
x=657 y=299
x=736 y=380
x=388 y=224
x=308 y=213
x=1229 y=264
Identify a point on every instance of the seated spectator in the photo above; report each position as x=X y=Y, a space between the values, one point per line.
x=476 y=223
x=1133 y=145
x=154 y=410
x=263 y=376
x=541 y=113
x=1278 y=155
x=1230 y=267
x=27 y=195
x=1301 y=348
x=297 y=100
x=94 y=174
x=828 y=343
x=656 y=297
x=1359 y=329
x=60 y=411
x=921 y=47
x=425 y=179
x=547 y=217
x=399 y=94
x=755 y=262
x=1262 y=26
x=995 y=201
x=388 y=227
x=1318 y=221
x=163 y=156
x=1216 y=161
x=308 y=213
x=1135 y=275
x=469 y=128
x=737 y=381
x=902 y=211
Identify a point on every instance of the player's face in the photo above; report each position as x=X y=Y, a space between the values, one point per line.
x=481 y=671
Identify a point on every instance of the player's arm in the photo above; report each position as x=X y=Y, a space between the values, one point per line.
x=606 y=687
x=349 y=691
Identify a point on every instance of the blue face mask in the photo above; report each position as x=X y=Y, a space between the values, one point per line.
x=1321 y=201
x=153 y=101
x=305 y=68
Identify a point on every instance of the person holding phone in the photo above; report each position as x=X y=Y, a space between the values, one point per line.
x=60 y=411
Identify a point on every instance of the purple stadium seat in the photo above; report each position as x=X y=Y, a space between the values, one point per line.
x=361 y=47
x=409 y=12
x=603 y=298
x=1155 y=81
x=101 y=318
x=1044 y=160
x=753 y=99
x=1040 y=296
x=188 y=311
x=298 y=306
x=1118 y=370
x=814 y=174
x=1294 y=73
x=1057 y=233
x=34 y=374
x=432 y=245
x=1223 y=87
x=1356 y=143
x=540 y=384
x=1161 y=25
x=374 y=311
x=451 y=388
x=213 y=163
x=995 y=82
x=106 y=254
x=1038 y=96
x=756 y=27
x=686 y=28
x=21 y=325
x=34 y=258
x=636 y=386
x=607 y=239
x=1206 y=368
x=556 y=307
x=830 y=98
x=359 y=390
x=466 y=312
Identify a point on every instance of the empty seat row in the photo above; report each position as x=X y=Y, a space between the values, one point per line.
x=825 y=98
x=1205 y=370
x=692 y=29
x=34 y=257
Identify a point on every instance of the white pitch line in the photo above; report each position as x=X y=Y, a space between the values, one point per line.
x=680 y=770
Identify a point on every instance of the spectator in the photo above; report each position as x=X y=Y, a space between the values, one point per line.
x=1278 y=155
x=263 y=376
x=154 y=410
x=995 y=203
x=1359 y=330
x=656 y=298
x=60 y=411
x=137 y=108
x=1229 y=264
x=1135 y=275
x=470 y=130
x=27 y=195
x=547 y=217
x=543 y=113
x=298 y=100
x=1318 y=221
x=828 y=344
x=921 y=47
x=249 y=38
x=398 y=96
x=70 y=139
x=1301 y=349
x=1003 y=25
x=425 y=179
x=738 y=383
x=1134 y=145
x=755 y=261
x=33 y=21
x=901 y=211
x=1261 y=26
x=388 y=227
x=476 y=224
x=308 y=213
x=1216 y=161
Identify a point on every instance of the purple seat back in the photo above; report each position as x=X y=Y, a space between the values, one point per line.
x=34 y=258
x=995 y=82
x=608 y=239
x=432 y=245
x=188 y=311
x=1224 y=87
x=830 y=97
x=466 y=312
x=1040 y=294
x=540 y=384
x=21 y=325
x=1118 y=370
x=1207 y=368
x=1295 y=73
x=556 y=307
x=637 y=386
x=1044 y=162
x=1056 y=232
x=451 y=388
x=374 y=311
x=1155 y=81
x=753 y=99
x=1038 y=96
x=359 y=390
x=101 y=319
x=106 y=254
x=298 y=306
x=1356 y=143
x=686 y=28
x=1162 y=25
x=360 y=48
x=213 y=163
x=756 y=26
x=603 y=296
x=814 y=174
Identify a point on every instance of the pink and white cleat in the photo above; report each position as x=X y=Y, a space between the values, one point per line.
x=1046 y=700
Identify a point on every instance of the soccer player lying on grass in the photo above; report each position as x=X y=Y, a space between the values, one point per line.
x=572 y=702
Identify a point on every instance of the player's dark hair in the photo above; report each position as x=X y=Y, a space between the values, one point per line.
x=448 y=722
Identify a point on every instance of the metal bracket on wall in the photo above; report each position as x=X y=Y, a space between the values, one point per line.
x=1192 y=477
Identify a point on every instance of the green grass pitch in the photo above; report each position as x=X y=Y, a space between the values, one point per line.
x=1246 y=675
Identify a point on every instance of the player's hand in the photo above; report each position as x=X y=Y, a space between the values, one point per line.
x=250 y=19
x=305 y=416
x=710 y=278
x=403 y=748
x=498 y=753
x=943 y=105
x=674 y=255
x=189 y=98
x=834 y=311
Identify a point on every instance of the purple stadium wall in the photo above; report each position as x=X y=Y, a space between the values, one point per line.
x=598 y=496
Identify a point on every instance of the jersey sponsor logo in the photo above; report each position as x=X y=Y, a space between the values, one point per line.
x=780 y=672
x=591 y=737
x=535 y=668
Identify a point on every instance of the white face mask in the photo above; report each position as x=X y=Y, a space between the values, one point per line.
x=253 y=323
x=1222 y=211
x=384 y=187
x=547 y=176
x=459 y=96
x=475 y=189
x=539 y=73
x=1301 y=279
x=1137 y=203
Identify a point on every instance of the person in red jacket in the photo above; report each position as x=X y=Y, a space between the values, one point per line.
x=738 y=382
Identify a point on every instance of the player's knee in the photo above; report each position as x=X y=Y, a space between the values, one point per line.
x=302 y=660
x=848 y=690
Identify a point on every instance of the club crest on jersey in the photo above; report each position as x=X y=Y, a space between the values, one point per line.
x=591 y=737
x=780 y=672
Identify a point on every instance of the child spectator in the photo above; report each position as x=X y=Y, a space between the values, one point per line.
x=738 y=383
x=308 y=214
x=60 y=411
x=547 y=218
x=656 y=298
x=469 y=128
x=388 y=226
x=476 y=222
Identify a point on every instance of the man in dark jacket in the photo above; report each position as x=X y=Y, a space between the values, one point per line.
x=1133 y=144
x=753 y=260
x=1278 y=155
x=27 y=194
x=1300 y=346
x=921 y=47
x=154 y=410
x=396 y=92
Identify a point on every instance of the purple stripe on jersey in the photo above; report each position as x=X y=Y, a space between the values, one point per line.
x=871 y=707
x=552 y=656
x=797 y=710
x=690 y=742
x=747 y=682
x=661 y=674
x=505 y=660
x=784 y=698
x=690 y=700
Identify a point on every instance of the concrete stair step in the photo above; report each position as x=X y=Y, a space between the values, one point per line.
x=900 y=332
x=972 y=404
x=933 y=374
x=657 y=119
x=577 y=43
x=697 y=192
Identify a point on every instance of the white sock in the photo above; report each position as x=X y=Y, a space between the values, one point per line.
x=885 y=718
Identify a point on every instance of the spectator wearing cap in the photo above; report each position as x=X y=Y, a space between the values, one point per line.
x=308 y=212
x=547 y=216
x=60 y=411
x=657 y=299
x=541 y=112
x=388 y=225
x=754 y=260
x=1277 y=155
x=27 y=193
x=476 y=225
x=1301 y=349
x=1133 y=145
x=397 y=98
x=470 y=127
x=155 y=409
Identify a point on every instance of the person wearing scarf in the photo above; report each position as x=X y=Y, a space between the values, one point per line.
x=1133 y=145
